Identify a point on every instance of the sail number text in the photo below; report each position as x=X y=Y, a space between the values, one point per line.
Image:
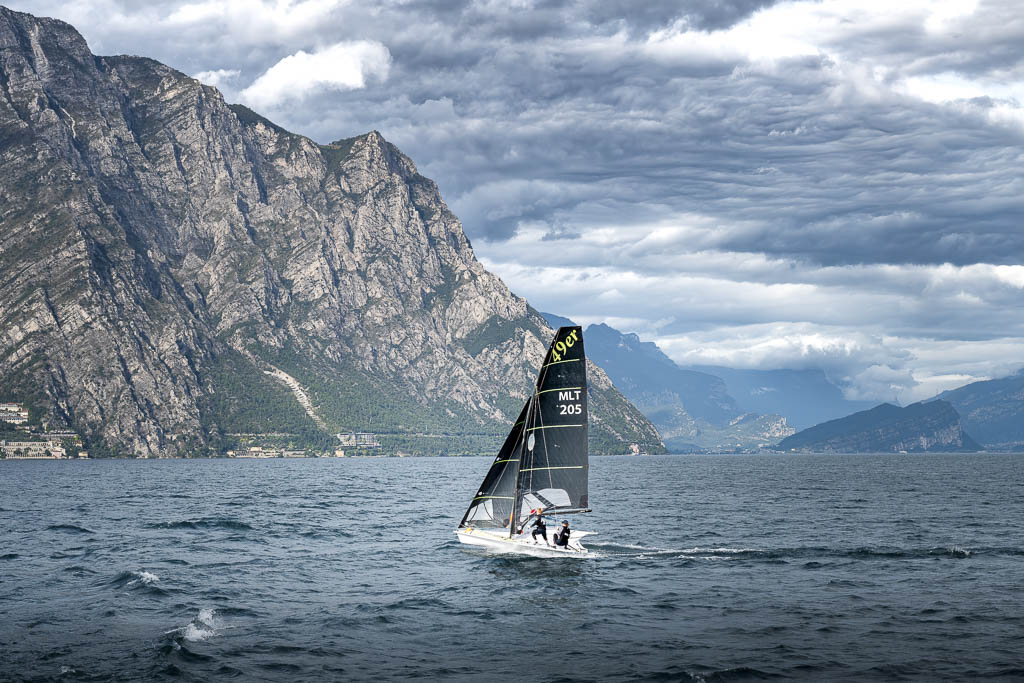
x=565 y=406
x=563 y=345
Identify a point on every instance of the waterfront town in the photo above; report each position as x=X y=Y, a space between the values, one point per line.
x=362 y=442
x=19 y=441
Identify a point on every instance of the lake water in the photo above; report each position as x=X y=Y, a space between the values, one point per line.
x=706 y=568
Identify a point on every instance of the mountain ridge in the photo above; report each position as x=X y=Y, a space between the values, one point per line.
x=919 y=427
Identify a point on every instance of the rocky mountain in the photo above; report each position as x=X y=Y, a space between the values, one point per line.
x=992 y=411
x=933 y=426
x=692 y=410
x=805 y=397
x=177 y=271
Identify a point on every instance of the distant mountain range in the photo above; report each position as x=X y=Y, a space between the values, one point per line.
x=805 y=397
x=718 y=408
x=920 y=427
x=692 y=410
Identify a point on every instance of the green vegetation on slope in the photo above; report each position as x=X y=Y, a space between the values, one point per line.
x=245 y=400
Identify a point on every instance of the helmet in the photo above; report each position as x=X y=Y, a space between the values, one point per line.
x=565 y=522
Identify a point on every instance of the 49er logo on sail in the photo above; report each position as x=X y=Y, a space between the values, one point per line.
x=559 y=349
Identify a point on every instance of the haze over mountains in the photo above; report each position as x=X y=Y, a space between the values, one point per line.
x=717 y=408
x=692 y=410
x=177 y=271
x=805 y=397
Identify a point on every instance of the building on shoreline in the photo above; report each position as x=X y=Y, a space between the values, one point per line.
x=32 y=450
x=13 y=413
x=359 y=440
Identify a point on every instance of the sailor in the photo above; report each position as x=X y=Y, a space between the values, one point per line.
x=562 y=535
x=540 y=528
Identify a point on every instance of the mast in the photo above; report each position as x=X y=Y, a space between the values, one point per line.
x=516 y=498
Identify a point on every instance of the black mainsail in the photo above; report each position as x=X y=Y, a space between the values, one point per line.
x=542 y=466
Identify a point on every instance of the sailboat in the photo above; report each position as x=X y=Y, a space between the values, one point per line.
x=542 y=468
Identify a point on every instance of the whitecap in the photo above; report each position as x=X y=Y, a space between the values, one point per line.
x=145 y=578
x=202 y=627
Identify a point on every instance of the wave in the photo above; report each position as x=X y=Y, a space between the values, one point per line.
x=140 y=580
x=741 y=673
x=206 y=523
x=144 y=578
x=203 y=626
x=419 y=603
x=73 y=528
x=78 y=570
x=9 y=556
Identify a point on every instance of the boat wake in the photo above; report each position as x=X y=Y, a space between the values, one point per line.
x=205 y=523
x=627 y=550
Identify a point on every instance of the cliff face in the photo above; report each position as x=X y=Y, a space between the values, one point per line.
x=933 y=426
x=993 y=410
x=176 y=269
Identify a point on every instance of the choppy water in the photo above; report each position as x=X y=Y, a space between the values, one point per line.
x=711 y=568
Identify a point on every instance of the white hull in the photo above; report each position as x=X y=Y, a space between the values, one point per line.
x=523 y=544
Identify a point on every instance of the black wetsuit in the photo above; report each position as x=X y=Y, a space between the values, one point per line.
x=540 y=528
x=562 y=536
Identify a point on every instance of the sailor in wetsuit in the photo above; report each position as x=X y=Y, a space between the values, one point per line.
x=562 y=535
x=540 y=528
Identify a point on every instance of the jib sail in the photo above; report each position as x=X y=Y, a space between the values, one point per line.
x=492 y=505
x=543 y=462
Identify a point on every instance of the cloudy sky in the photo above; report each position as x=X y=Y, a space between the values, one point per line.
x=750 y=183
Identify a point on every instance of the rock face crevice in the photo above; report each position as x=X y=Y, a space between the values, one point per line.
x=158 y=245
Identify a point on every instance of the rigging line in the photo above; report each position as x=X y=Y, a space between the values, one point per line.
x=482 y=497
x=536 y=414
x=531 y=405
x=547 y=453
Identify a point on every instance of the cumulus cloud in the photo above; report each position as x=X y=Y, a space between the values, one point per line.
x=218 y=78
x=344 y=66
